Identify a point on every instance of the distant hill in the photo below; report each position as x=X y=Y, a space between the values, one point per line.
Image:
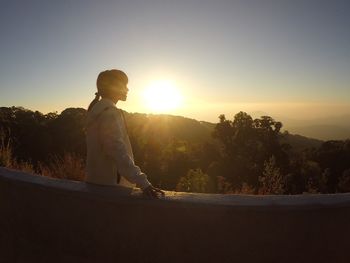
x=323 y=132
x=169 y=126
x=182 y=128
x=299 y=142
x=326 y=128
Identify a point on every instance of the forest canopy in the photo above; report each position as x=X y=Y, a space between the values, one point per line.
x=238 y=155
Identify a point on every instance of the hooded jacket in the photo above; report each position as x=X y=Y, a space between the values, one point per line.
x=109 y=150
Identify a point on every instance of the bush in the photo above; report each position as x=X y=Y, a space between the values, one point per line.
x=271 y=181
x=70 y=166
x=195 y=181
x=9 y=161
x=344 y=181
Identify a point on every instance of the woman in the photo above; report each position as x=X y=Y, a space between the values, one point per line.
x=110 y=160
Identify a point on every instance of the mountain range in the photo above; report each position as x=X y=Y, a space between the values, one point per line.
x=326 y=128
x=170 y=126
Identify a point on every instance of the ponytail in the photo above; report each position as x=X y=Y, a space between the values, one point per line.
x=95 y=100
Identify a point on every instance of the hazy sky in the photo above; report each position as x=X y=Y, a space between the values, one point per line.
x=289 y=58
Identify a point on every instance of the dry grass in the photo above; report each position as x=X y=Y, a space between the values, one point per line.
x=8 y=160
x=6 y=156
x=70 y=166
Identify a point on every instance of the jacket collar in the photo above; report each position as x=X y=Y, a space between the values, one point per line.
x=98 y=108
x=107 y=102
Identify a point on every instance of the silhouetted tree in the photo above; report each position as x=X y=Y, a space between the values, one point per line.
x=248 y=144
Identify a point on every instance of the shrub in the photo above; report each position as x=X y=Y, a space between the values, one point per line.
x=271 y=180
x=195 y=181
x=344 y=181
x=70 y=166
x=6 y=156
x=9 y=161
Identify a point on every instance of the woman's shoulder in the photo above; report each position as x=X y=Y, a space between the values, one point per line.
x=109 y=112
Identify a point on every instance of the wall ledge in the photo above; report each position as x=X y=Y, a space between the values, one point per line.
x=340 y=199
x=52 y=220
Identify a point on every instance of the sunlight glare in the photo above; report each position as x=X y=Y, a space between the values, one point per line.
x=162 y=96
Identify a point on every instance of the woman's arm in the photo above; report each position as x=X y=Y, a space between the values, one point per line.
x=112 y=143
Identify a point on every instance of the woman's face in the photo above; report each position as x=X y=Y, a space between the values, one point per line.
x=122 y=93
x=116 y=92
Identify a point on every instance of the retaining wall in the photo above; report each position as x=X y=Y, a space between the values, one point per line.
x=50 y=220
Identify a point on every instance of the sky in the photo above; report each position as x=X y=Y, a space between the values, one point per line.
x=283 y=58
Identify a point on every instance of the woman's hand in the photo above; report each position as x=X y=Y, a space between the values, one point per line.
x=153 y=192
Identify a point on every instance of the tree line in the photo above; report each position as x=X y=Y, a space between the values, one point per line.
x=242 y=155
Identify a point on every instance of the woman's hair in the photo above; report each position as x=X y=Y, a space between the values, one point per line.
x=109 y=78
x=95 y=100
x=106 y=80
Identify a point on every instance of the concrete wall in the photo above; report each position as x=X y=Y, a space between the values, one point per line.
x=49 y=220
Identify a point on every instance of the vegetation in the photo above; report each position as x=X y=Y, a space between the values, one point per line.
x=242 y=155
x=194 y=181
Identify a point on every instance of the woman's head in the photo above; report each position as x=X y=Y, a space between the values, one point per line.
x=111 y=84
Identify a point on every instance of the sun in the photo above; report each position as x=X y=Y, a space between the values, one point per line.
x=162 y=96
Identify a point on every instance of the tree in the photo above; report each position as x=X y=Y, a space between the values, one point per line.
x=68 y=131
x=247 y=144
x=271 y=180
x=344 y=181
x=195 y=181
x=334 y=156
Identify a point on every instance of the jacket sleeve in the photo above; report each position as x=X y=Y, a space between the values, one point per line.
x=113 y=145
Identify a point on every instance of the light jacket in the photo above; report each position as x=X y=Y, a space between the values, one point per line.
x=109 y=150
